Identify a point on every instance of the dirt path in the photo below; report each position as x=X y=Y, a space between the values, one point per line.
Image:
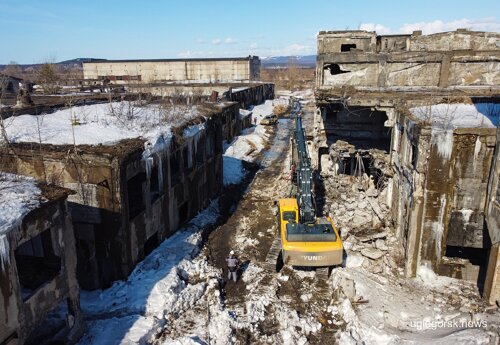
x=252 y=227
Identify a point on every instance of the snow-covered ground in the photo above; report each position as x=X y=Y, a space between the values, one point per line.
x=105 y=123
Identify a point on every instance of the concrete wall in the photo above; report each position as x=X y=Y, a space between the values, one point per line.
x=439 y=191
x=19 y=316
x=440 y=60
x=174 y=70
x=492 y=281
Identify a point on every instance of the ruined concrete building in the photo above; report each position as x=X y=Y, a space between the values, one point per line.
x=431 y=103
x=133 y=194
x=206 y=70
x=139 y=173
x=39 y=291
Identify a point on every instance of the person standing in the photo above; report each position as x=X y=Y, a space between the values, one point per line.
x=232 y=266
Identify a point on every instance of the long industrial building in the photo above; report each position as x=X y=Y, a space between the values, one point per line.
x=207 y=70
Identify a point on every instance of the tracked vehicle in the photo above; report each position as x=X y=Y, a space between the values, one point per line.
x=306 y=240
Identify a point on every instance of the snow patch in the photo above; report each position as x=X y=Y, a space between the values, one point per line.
x=18 y=196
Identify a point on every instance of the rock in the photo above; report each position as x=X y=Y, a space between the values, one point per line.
x=343 y=197
x=380 y=244
x=350 y=206
x=372 y=192
x=382 y=234
x=359 y=220
x=377 y=269
x=354 y=260
x=372 y=253
x=376 y=208
x=362 y=204
x=348 y=287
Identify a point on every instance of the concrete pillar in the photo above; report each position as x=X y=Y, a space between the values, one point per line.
x=492 y=281
x=445 y=71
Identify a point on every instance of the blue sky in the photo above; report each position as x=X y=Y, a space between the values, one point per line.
x=37 y=30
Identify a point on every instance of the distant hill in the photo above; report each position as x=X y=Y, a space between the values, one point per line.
x=303 y=61
x=67 y=64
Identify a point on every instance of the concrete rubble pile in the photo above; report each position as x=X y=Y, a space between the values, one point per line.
x=358 y=206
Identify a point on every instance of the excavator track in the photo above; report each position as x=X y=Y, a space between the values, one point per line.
x=271 y=263
x=323 y=273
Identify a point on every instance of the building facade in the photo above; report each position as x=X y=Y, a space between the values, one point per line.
x=209 y=70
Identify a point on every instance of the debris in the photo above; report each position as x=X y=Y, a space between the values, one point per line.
x=372 y=253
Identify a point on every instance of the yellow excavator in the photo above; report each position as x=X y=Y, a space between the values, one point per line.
x=305 y=239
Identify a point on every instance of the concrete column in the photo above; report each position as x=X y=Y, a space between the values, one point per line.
x=492 y=281
x=445 y=70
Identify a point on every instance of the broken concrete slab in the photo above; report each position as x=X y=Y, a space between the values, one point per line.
x=372 y=253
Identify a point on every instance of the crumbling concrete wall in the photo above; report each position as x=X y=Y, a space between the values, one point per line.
x=492 y=281
x=174 y=70
x=23 y=311
x=204 y=90
x=439 y=191
x=127 y=203
x=363 y=59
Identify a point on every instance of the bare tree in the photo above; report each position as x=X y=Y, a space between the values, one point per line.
x=292 y=72
x=48 y=77
x=13 y=69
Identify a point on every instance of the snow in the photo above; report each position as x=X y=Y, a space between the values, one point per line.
x=18 y=196
x=130 y=311
x=400 y=311
x=262 y=110
x=427 y=276
x=105 y=123
x=244 y=113
x=444 y=118
x=459 y=115
x=249 y=144
x=233 y=170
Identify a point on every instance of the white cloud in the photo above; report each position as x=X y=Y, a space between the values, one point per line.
x=379 y=28
x=230 y=40
x=216 y=41
x=484 y=24
x=254 y=45
x=200 y=40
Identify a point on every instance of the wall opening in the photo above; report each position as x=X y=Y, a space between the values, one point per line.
x=347 y=47
x=175 y=171
x=36 y=263
x=335 y=69
x=154 y=184
x=359 y=165
x=362 y=127
x=49 y=331
x=151 y=244
x=200 y=152
x=476 y=257
x=183 y=212
x=135 y=195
